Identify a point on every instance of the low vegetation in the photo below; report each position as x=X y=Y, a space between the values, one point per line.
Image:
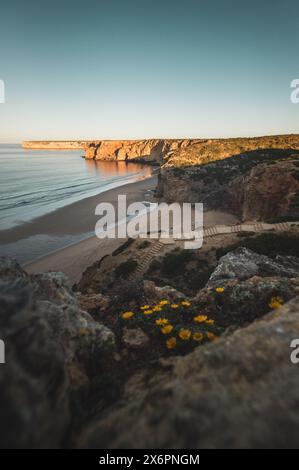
x=126 y=268
x=179 y=327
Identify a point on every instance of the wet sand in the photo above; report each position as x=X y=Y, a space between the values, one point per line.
x=77 y=219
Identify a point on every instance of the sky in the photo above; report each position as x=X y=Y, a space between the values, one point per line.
x=127 y=69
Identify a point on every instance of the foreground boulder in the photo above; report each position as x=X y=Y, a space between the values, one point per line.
x=54 y=353
x=238 y=392
x=34 y=399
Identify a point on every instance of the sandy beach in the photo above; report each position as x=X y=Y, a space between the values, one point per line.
x=75 y=259
x=76 y=219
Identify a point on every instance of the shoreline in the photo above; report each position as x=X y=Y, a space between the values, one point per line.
x=75 y=220
x=50 y=223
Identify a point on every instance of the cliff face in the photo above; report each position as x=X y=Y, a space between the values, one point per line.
x=152 y=150
x=54 y=145
x=255 y=179
x=207 y=151
x=148 y=150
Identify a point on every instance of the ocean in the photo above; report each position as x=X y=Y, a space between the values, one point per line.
x=34 y=183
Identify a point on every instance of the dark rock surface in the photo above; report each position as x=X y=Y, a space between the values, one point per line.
x=243 y=264
x=243 y=302
x=53 y=351
x=34 y=401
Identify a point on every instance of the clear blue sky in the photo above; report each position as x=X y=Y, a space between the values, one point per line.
x=134 y=69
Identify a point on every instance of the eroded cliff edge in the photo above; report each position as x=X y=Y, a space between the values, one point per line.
x=254 y=179
x=148 y=150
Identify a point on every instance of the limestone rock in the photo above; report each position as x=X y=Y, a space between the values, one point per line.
x=155 y=293
x=10 y=269
x=242 y=302
x=93 y=302
x=243 y=264
x=34 y=400
x=54 y=287
x=253 y=179
x=54 y=350
x=151 y=150
x=86 y=343
x=134 y=338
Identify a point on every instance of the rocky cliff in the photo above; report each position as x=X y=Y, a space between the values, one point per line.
x=255 y=179
x=151 y=150
x=54 y=145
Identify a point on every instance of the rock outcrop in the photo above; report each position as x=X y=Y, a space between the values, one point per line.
x=151 y=150
x=34 y=401
x=54 y=352
x=260 y=185
x=242 y=264
x=54 y=145
x=238 y=392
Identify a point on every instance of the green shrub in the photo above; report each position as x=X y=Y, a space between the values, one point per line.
x=144 y=244
x=126 y=268
x=123 y=247
x=175 y=262
x=268 y=244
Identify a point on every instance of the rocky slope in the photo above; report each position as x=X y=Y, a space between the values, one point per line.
x=105 y=379
x=238 y=392
x=260 y=184
x=207 y=151
x=231 y=393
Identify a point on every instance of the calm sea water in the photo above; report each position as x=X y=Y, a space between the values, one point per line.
x=34 y=183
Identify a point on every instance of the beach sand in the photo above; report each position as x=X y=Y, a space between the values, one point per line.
x=79 y=217
x=76 y=219
x=73 y=260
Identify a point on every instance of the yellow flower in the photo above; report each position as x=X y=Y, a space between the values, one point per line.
x=174 y=306
x=220 y=290
x=211 y=336
x=84 y=332
x=167 y=329
x=171 y=343
x=210 y=322
x=148 y=312
x=186 y=303
x=127 y=315
x=145 y=307
x=157 y=309
x=185 y=334
x=276 y=302
x=161 y=321
x=198 y=336
x=200 y=318
x=164 y=302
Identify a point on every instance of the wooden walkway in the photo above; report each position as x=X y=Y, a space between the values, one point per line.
x=158 y=245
